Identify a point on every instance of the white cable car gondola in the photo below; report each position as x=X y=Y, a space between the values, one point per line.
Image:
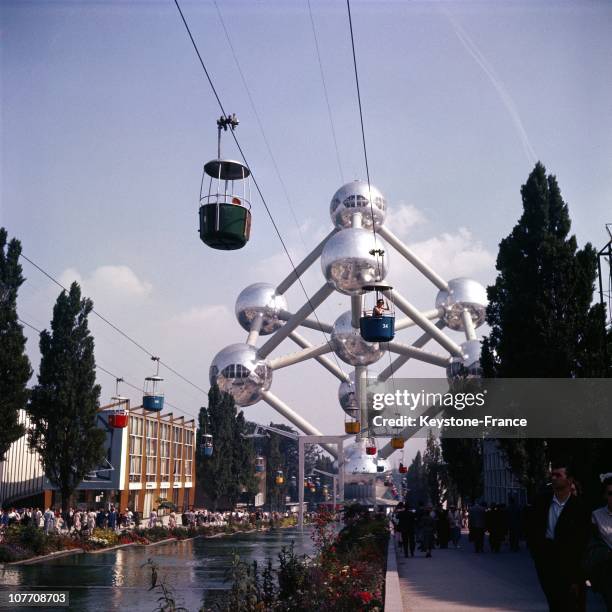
x=153 y=396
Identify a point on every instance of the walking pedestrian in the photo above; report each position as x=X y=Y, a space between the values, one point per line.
x=428 y=526
x=558 y=533
x=454 y=523
x=477 y=523
x=598 y=562
x=406 y=527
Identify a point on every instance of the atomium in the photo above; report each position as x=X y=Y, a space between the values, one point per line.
x=348 y=344
x=469 y=364
x=347 y=395
x=347 y=261
x=463 y=294
x=260 y=299
x=239 y=371
x=359 y=466
x=357 y=197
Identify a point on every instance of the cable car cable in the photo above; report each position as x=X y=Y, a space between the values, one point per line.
x=259 y=122
x=117 y=329
x=329 y=112
x=99 y=367
x=246 y=163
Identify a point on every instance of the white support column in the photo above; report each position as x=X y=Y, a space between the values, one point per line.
x=470 y=330
x=356 y=309
x=418 y=354
x=285 y=315
x=316 y=300
x=255 y=329
x=425 y=324
x=420 y=265
x=436 y=313
x=397 y=363
x=304 y=265
x=295 y=418
x=328 y=364
x=308 y=353
x=361 y=381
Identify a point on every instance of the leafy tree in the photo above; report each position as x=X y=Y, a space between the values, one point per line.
x=64 y=403
x=15 y=368
x=435 y=470
x=416 y=481
x=463 y=458
x=543 y=323
x=229 y=472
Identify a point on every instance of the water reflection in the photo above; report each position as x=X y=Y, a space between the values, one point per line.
x=116 y=580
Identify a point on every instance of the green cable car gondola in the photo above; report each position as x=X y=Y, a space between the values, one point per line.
x=225 y=212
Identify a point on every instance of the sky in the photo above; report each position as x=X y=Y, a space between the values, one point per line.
x=107 y=119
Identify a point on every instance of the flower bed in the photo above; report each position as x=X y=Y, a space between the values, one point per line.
x=346 y=574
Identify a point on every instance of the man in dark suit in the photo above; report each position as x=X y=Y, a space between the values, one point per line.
x=406 y=526
x=558 y=532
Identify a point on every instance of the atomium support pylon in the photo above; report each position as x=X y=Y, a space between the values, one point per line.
x=348 y=263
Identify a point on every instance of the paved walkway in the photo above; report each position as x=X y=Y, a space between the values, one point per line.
x=462 y=581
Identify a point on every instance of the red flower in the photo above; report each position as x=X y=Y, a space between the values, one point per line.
x=364 y=596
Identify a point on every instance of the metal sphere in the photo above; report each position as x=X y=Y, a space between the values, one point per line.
x=238 y=371
x=355 y=197
x=463 y=294
x=260 y=299
x=469 y=364
x=348 y=398
x=359 y=466
x=348 y=344
x=347 y=263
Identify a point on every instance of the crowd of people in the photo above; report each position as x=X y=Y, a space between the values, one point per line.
x=83 y=522
x=569 y=544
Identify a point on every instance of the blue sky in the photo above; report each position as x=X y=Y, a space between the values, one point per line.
x=107 y=119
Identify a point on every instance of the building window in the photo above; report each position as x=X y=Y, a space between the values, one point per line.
x=151 y=450
x=135 y=448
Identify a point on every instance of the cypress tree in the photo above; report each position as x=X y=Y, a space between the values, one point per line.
x=229 y=472
x=543 y=323
x=15 y=370
x=64 y=404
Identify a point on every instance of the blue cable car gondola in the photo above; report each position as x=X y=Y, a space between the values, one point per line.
x=260 y=465
x=206 y=445
x=152 y=396
x=378 y=324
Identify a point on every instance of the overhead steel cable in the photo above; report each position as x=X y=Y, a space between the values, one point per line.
x=99 y=367
x=259 y=122
x=329 y=112
x=246 y=163
x=117 y=329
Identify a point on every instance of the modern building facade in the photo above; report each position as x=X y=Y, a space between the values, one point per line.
x=149 y=461
x=499 y=481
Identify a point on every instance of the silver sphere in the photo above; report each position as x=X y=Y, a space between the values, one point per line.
x=348 y=398
x=358 y=466
x=469 y=364
x=355 y=197
x=348 y=344
x=238 y=371
x=463 y=294
x=260 y=299
x=347 y=263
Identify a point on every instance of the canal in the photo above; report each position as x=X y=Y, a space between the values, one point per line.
x=116 y=580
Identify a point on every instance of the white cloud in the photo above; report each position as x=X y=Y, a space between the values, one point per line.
x=452 y=255
x=403 y=217
x=121 y=280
